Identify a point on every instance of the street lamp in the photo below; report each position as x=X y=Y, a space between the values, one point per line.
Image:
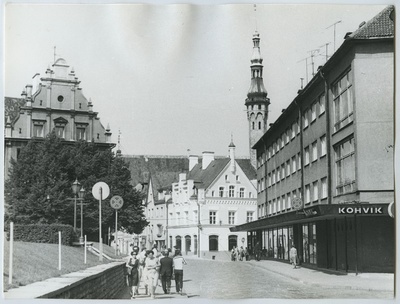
x=76 y=186
x=167 y=197
x=81 y=194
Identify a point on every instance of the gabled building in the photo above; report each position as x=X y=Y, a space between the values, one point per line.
x=215 y=195
x=325 y=167
x=56 y=104
x=153 y=175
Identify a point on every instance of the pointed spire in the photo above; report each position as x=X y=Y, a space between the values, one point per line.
x=232 y=145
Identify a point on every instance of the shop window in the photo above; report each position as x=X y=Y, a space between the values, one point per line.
x=232 y=241
x=178 y=242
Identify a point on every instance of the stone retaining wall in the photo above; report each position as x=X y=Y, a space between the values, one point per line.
x=99 y=282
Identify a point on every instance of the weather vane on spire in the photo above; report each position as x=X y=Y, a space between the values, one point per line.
x=255 y=14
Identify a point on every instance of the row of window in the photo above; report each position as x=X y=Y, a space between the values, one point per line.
x=231 y=191
x=317 y=108
x=313 y=192
x=80 y=130
x=231 y=217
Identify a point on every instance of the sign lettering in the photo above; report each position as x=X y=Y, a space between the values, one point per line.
x=360 y=210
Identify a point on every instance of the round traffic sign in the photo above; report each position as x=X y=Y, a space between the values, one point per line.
x=297 y=203
x=116 y=202
x=100 y=187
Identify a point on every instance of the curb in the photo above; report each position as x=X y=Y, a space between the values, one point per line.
x=334 y=286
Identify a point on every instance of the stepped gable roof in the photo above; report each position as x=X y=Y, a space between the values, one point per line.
x=378 y=27
x=12 y=107
x=247 y=168
x=163 y=170
x=207 y=176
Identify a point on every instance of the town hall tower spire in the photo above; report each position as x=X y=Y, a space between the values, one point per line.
x=257 y=101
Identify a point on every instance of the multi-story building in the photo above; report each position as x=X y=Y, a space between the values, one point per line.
x=325 y=166
x=216 y=194
x=57 y=104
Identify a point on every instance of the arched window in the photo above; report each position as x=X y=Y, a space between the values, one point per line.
x=254 y=125
x=188 y=243
x=232 y=241
x=213 y=242
x=259 y=125
x=231 y=191
x=178 y=242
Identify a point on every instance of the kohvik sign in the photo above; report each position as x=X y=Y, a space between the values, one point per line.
x=360 y=210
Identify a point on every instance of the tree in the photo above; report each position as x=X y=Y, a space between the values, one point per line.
x=38 y=189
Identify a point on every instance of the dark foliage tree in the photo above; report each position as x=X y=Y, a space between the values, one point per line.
x=38 y=189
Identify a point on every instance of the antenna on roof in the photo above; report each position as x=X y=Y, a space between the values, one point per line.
x=326 y=50
x=306 y=60
x=312 y=52
x=334 y=33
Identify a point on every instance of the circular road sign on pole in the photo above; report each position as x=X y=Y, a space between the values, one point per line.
x=116 y=202
x=105 y=190
x=100 y=191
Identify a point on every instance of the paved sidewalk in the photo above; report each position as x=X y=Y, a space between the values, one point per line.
x=326 y=279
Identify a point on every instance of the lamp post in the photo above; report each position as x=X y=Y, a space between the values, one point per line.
x=76 y=186
x=81 y=194
x=167 y=197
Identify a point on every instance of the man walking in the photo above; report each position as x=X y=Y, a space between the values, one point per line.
x=166 y=271
x=293 y=256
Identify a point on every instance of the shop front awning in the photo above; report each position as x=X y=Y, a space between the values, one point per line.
x=315 y=213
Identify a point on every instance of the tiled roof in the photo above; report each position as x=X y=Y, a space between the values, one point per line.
x=11 y=107
x=379 y=26
x=247 y=168
x=163 y=170
x=207 y=176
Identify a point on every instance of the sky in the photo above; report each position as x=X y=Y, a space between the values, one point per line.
x=173 y=79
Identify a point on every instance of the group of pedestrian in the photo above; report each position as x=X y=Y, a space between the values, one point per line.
x=148 y=267
x=239 y=254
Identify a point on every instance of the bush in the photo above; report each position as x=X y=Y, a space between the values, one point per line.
x=44 y=233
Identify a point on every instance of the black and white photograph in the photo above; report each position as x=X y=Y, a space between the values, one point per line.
x=195 y=152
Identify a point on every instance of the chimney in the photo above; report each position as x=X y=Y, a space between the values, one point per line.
x=208 y=157
x=182 y=177
x=29 y=90
x=193 y=161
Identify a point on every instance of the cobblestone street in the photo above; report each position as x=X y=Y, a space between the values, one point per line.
x=238 y=280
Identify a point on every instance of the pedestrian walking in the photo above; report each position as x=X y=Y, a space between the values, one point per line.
x=241 y=253
x=166 y=270
x=151 y=272
x=293 y=256
x=257 y=251
x=133 y=274
x=178 y=263
x=246 y=254
x=233 y=254
x=142 y=258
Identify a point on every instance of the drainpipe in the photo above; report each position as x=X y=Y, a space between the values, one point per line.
x=328 y=137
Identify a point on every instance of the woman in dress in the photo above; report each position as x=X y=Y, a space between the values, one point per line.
x=133 y=273
x=151 y=270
